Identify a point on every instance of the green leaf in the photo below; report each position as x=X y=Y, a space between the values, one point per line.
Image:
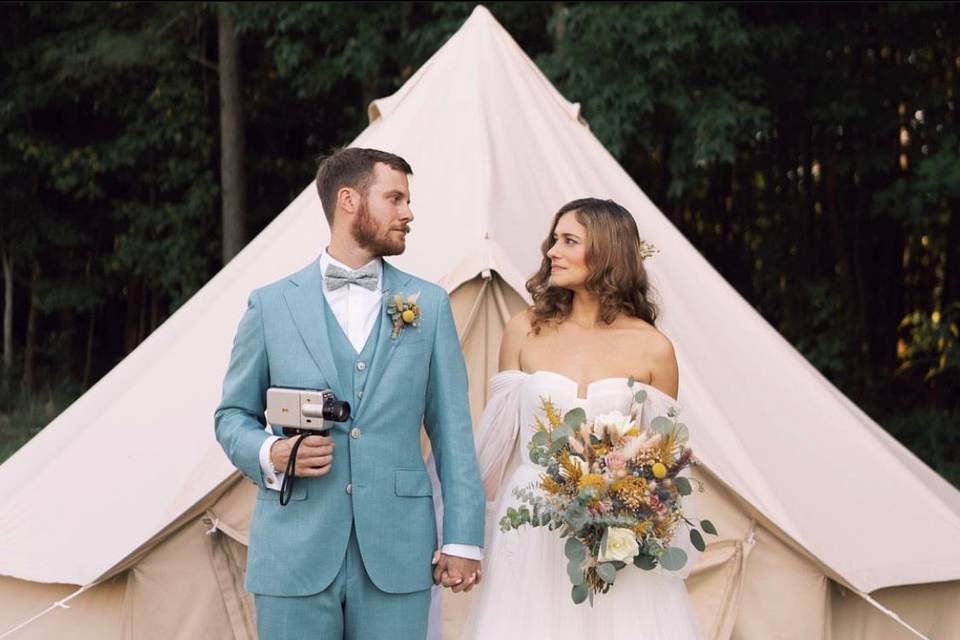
x=561 y=433
x=640 y=397
x=673 y=558
x=697 y=540
x=556 y=446
x=708 y=527
x=683 y=485
x=576 y=516
x=683 y=433
x=631 y=381
x=574 y=418
x=652 y=548
x=574 y=550
x=575 y=573
x=661 y=425
x=540 y=438
x=607 y=572
x=645 y=562
x=579 y=593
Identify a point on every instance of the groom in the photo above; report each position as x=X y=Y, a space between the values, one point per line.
x=352 y=555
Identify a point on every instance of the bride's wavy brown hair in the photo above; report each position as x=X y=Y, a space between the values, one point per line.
x=615 y=261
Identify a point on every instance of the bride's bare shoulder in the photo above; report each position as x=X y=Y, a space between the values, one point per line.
x=515 y=333
x=650 y=339
x=650 y=345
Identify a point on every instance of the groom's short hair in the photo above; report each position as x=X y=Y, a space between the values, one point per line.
x=351 y=167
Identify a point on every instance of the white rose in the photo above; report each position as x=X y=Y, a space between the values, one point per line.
x=614 y=423
x=621 y=545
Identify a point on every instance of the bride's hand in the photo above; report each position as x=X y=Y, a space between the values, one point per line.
x=458 y=574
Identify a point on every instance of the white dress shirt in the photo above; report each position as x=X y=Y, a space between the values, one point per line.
x=356 y=310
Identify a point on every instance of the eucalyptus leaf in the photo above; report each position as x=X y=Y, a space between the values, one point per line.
x=574 y=418
x=576 y=516
x=645 y=562
x=708 y=527
x=683 y=433
x=673 y=558
x=574 y=550
x=561 y=433
x=579 y=593
x=640 y=397
x=661 y=425
x=652 y=548
x=540 y=438
x=607 y=572
x=575 y=573
x=697 y=540
x=556 y=446
x=683 y=485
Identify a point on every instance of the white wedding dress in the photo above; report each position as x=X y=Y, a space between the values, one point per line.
x=525 y=592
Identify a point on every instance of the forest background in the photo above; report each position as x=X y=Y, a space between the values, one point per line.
x=811 y=152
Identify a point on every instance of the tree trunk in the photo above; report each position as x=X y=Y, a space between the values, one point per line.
x=7 y=261
x=232 y=143
x=29 y=350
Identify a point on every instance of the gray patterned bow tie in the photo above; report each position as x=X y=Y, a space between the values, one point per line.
x=365 y=277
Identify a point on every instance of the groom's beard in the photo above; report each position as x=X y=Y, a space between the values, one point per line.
x=369 y=234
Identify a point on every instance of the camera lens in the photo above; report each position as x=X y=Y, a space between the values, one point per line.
x=336 y=410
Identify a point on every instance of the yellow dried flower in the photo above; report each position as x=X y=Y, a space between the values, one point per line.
x=570 y=468
x=553 y=416
x=548 y=484
x=593 y=480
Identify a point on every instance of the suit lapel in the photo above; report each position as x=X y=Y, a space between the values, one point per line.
x=306 y=303
x=394 y=282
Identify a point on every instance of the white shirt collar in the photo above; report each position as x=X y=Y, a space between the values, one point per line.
x=326 y=260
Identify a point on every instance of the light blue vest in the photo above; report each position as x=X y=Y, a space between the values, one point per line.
x=352 y=367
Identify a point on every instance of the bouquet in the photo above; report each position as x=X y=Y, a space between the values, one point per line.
x=611 y=488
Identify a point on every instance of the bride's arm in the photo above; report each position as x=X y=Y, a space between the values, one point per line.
x=664 y=373
x=511 y=344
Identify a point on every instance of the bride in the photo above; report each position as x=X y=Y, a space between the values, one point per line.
x=591 y=327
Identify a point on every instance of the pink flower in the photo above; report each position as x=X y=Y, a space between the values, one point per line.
x=615 y=461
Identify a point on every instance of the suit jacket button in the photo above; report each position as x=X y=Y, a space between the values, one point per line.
x=349 y=489
x=355 y=433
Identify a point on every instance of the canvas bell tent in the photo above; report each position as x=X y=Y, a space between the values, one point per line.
x=123 y=518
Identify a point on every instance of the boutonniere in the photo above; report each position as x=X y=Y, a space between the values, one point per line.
x=404 y=312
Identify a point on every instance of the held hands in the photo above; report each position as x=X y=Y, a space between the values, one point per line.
x=459 y=574
x=314 y=457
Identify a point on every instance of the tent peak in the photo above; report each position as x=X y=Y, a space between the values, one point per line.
x=480 y=12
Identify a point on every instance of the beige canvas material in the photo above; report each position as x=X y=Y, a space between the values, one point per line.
x=496 y=150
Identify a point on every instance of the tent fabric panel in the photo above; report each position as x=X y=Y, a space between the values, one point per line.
x=95 y=614
x=932 y=609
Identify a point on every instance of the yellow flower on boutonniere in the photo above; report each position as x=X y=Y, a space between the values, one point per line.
x=403 y=311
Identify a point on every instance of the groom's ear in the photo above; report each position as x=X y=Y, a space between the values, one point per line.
x=348 y=200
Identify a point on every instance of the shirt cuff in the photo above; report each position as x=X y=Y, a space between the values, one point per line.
x=463 y=551
x=271 y=478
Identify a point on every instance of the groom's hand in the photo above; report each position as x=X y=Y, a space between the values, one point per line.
x=314 y=456
x=460 y=574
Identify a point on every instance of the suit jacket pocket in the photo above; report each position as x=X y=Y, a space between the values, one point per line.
x=299 y=492
x=413 y=483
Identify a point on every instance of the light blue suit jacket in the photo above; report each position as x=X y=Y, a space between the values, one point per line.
x=416 y=378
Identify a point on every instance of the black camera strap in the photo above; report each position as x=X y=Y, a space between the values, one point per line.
x=290 y=475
